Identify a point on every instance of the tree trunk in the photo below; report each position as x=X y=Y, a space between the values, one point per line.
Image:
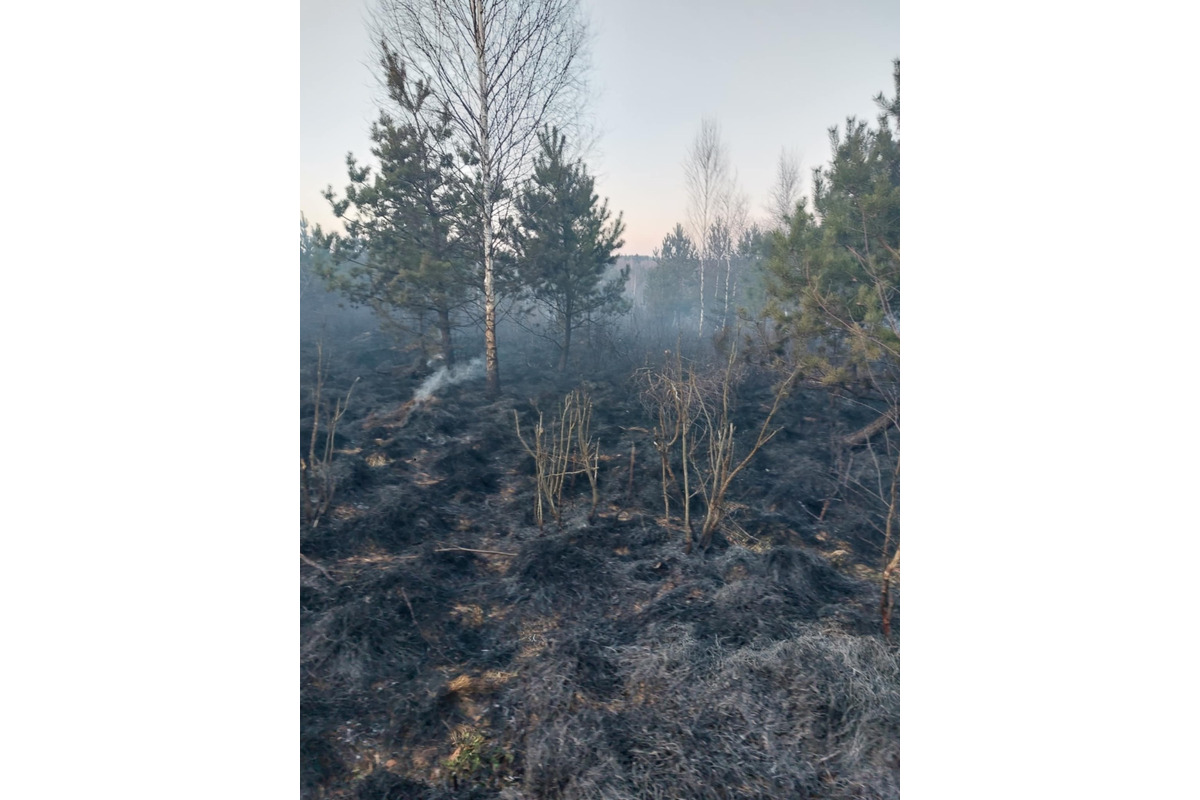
x=885 y=600
x=728 y=271
x=566 y=348
x=485 y=169
x=447 y=344
x=489 y=316
x=421 y=343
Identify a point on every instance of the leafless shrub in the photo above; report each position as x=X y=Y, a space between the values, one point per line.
x=671 y=398
x=550 y=570
x=718 y=472
x=317 y=482
x=693 y=414
x=563 y=449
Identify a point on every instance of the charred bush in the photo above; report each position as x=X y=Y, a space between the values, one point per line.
x=553 y=570
x=650 y=571
x=765 y=594
x=743 y=596
x=402 y=518
x=359 y=475
x=411 y=586
x=467 y=469
x=365 y=640
x=812 y=577
x=690 y=601
x=635 y=534
x=586 y=653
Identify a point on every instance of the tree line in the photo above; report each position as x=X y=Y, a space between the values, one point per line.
x=476 y=195
x=819 y=279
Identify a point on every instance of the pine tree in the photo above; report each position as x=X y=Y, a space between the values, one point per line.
x=749 y=271
x=407 y=241
x=835 y=272
x=566 y=241
x=672 y=285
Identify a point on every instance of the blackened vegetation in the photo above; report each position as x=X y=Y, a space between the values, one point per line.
x=450 y=649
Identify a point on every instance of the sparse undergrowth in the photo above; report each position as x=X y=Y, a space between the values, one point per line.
x=451 y=649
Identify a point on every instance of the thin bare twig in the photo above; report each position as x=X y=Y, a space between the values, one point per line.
x=471 y=550
x=319 y=568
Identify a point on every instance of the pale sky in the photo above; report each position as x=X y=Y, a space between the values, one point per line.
x=774 y=73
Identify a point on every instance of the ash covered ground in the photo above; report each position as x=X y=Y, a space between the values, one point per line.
x=451 y=648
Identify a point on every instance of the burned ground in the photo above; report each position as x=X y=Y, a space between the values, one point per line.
x=452 y=649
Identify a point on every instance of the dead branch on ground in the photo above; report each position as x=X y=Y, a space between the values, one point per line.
x=472 y=550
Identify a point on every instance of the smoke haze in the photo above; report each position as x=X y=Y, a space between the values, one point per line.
x=448 y=377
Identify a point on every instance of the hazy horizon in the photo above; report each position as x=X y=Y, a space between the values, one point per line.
x=774 y=74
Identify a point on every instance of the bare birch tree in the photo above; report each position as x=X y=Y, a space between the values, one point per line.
x=502 y=70
x=734 y=214
x=706 y=172
x=786 y=191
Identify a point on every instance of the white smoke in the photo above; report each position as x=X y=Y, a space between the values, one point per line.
x=447 y=377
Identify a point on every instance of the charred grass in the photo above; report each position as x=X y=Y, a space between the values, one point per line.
x=451 y=649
